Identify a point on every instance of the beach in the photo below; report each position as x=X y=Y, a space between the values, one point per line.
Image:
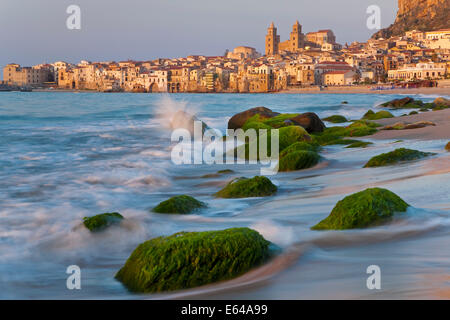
x=67 y=156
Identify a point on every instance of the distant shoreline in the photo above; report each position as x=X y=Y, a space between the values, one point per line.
x=313 y=90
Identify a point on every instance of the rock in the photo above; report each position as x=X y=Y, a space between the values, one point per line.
x=179 y=205
x=218 y=173
x=405 y=125
x=344 y=102
x=191 y=259
x=184 y=120
x=370 y=115
x=298 y=160
x=396 y=156
x=447 y=147
x=238 y=120
x=423 y=15
x=442 y=102
x=334 y=135
x=336 y=119
x=291 y=135
x=359 y=144
x=404 y=103
x=310 y=121
x=102 y=221
x=298 y=146
x=363 y=209
x=246 y=188
x=413 y=113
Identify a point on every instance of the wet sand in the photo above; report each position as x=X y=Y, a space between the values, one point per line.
x=440 y=131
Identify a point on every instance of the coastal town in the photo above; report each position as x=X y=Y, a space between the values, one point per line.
x=311 y=60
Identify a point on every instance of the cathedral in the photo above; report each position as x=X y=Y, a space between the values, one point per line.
x=297 y=40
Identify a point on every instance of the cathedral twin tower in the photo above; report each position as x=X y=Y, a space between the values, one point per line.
x=296 y=40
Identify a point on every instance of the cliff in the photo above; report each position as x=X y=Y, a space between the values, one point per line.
x=423 y=15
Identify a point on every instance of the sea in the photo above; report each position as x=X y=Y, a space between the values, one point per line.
x=69 y=155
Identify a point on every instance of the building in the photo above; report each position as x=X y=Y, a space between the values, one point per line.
x=14 y=74
x=294 y=44
x=242 y=53
x=420 y=71
x=339 y=78
x=272 y=40
x=319 y=38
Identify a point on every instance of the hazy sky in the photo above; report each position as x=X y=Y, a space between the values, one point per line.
x=34 y=31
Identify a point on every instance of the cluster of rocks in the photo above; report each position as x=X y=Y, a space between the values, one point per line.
x=190 y=259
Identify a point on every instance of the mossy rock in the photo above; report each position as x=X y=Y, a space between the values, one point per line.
x=396 y=156
x=292 y=134
x=334 y=135
x=218 y=173
x=336 y=119
x=191 y=259
x=182 y=204
x=413 y=113
x=298 y=146
x=363 y=209
x=359 y=144
x=404 y=103
x=256 y=125
x=370 y=115
x=423 y=110
x=282 y=120
x=102 y=221
x=258 y=186
x=298 y=160
x=447 y=147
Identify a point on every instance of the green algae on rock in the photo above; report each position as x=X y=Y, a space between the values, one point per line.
x=396 y=156
x=336 y=119
x=102 y=221
x=359 y=144
x=363 y=209
x=370 y=115
x=258 y=186
x=191 y=259
x=298 y=160
x=182 y=204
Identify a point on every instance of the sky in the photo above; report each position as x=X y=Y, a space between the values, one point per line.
x=34 y=31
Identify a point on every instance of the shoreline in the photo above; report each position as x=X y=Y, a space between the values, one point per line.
x=441 y=91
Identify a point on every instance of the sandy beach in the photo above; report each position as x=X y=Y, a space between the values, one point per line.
x=369 y=90
x=441 y=131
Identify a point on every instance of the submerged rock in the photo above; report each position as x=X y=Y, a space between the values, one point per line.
x=396 y=156
x=363 y=209
x=182 y=204
x=298 y=160
x=258 y=186
x=191 y=259
x=336 y=119
x=238 y=120
x=102 y=221
x=359 y=144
